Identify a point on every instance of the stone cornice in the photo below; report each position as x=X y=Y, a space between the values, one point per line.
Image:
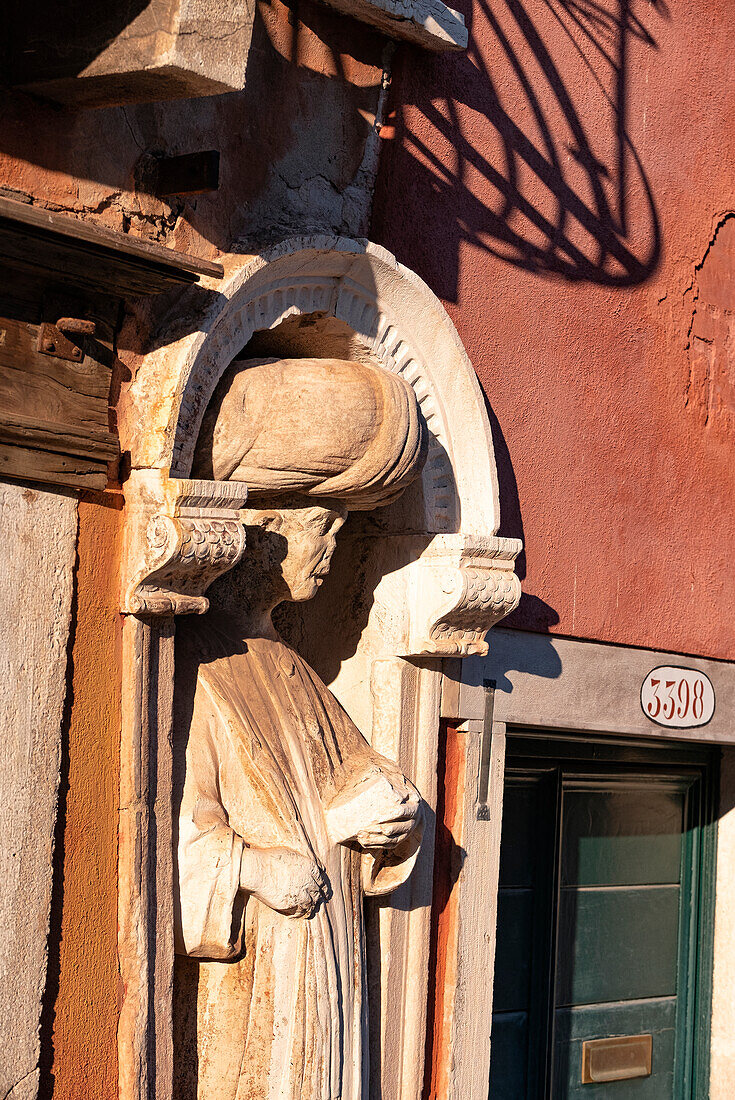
x=427 y=23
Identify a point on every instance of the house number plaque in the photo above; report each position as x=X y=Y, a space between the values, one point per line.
x=679 y=698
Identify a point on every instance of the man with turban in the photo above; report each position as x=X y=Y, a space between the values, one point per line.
x=287 y=816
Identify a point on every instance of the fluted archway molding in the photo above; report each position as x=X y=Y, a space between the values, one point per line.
x=464 y=581
x=389 y=307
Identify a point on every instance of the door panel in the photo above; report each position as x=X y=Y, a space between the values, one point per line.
x=573 y=1026
x=617 y=944
x=523 y=808
x=617 y=838
x=513 y=966
x=509 y=1059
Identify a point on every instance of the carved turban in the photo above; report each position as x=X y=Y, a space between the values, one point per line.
x=318 y=427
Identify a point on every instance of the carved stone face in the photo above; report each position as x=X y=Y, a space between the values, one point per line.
x=311 y=535
x=295 y=546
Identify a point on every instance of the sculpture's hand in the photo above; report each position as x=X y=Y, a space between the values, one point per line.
x=378 y=812
x=284 y=880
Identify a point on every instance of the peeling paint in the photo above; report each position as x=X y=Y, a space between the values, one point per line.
x=710 y=389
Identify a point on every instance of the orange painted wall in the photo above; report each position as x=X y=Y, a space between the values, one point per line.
x=444 y=917
x=86 y=1006
x=566 y=187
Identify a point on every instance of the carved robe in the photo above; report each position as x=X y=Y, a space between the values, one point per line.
x=281 y=1009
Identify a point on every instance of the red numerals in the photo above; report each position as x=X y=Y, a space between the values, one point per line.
x=683 y=694
x=656 y=700
x=698 y=704
x=678 y=697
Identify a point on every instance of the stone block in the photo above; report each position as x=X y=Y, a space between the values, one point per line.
x=99 y=54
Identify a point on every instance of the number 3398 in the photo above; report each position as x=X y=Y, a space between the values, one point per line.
x=678 y=697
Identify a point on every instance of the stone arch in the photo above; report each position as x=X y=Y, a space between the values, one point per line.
x=388 y=307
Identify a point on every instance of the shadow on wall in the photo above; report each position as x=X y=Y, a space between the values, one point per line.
x=532 y=612
x=85 y=27
x=526 y=153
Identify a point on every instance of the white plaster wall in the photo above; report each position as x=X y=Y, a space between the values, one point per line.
x=37 y=552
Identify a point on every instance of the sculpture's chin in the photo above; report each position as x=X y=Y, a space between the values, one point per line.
x=306 y=589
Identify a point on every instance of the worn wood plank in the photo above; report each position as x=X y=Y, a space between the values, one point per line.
x=64 y=438
x=49 y=400
x=54 y=415
x=52 y=468
x=19 y=353
x=52 y=404
x=92 y=256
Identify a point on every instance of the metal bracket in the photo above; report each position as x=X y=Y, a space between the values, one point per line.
x=483 y=783
x=53 y=339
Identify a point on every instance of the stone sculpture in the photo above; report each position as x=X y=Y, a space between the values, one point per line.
x=287 y=815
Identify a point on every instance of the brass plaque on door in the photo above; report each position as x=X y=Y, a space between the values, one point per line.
x=616 y=1059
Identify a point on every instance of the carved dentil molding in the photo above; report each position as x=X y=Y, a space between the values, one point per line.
x=384 y=335
x=390 y=310
x=460 y=587
x=181 y=535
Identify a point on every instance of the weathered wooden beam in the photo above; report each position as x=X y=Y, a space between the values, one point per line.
x=51 y=468
x=89 y=256
x=63 y=280
x=66 y=439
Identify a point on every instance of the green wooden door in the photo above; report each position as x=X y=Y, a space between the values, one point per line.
x=604 y=918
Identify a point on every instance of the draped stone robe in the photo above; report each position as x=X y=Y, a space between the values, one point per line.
x=281 y=1001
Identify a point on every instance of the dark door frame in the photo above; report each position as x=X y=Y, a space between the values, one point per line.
x=560 y=755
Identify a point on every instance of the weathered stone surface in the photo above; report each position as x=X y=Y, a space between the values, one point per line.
x=38 y=536
x=27 y=1089
x=306 y=156
x=174 y=49
x=180 y=536
x=167 y=50
x=331 y=298
x=428 y=23
x=333 y=819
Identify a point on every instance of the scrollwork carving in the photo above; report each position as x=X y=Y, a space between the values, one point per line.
x=462 y=586
x=181 y=535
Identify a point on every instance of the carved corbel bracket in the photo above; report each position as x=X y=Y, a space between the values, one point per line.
x=180 y=536
x=461 y=586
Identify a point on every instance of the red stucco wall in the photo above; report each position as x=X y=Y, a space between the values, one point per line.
x=561 y=186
